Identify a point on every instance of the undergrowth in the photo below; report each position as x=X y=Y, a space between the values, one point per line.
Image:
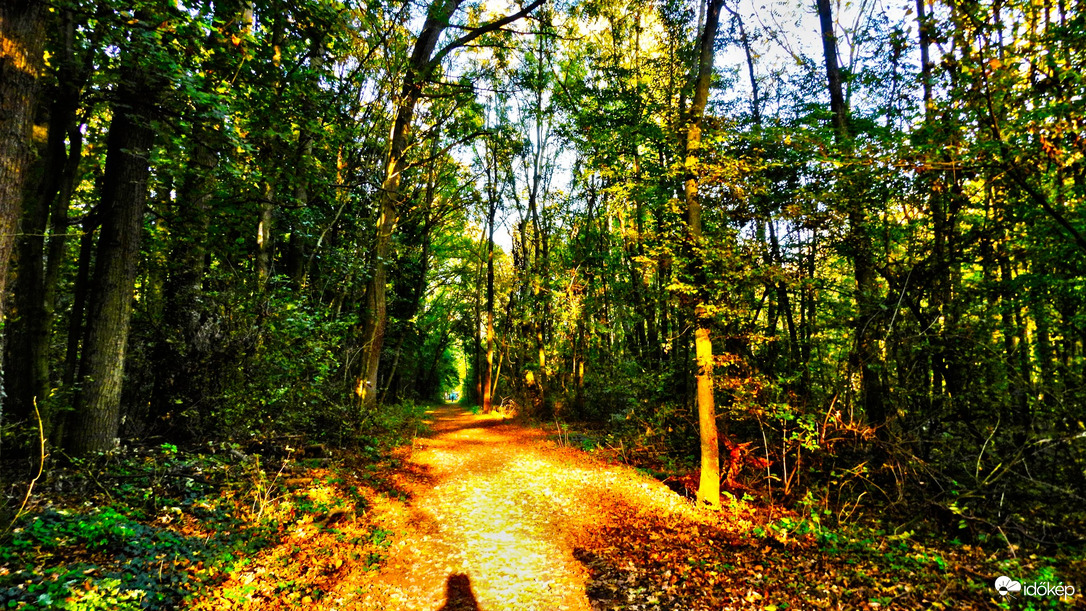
x=158 y=527
x=873 y=556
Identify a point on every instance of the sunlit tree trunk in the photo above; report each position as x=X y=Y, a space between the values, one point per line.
x=374 y=306
x=488 y=377
x=709 y=484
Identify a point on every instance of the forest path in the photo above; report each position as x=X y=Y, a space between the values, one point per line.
x=495 y=515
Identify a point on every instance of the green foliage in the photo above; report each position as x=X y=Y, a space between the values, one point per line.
x=288 y=382
x=124 y=558
x=394 y=424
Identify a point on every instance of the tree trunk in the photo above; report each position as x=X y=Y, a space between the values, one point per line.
x=865 y=356
x=96 y=421
x=47 y=201
x=22 y=30
x=374 y=316
x=22 y=43
x=88 y=228
x=488 y=378
x=709 y=484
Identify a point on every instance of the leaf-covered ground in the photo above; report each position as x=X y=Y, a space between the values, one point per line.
x=492 y=515
x=483 y=513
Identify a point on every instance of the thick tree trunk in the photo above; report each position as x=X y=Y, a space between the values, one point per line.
x=37 y=274
x=47 y=197
x=22 y=32
x=26 y=363
x=96 y=421
x=709 y=484
x=22 y=43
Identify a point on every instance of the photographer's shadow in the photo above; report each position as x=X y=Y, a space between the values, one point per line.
x=458 y=594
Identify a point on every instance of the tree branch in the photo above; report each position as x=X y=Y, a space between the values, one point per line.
x=480 y=31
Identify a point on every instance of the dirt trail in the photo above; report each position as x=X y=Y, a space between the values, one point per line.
x=494 y=515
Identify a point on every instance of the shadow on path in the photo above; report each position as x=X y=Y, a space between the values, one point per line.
x=458 y=594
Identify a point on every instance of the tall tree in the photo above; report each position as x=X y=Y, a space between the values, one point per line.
x=97 y=417
x=709 y=484
x=492 y=170
x=424 y=61
x=865 y=355
x=22 y=43
x=45 y=214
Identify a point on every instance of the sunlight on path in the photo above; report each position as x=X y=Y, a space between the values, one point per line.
x=494 y=515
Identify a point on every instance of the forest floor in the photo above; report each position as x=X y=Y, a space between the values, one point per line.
x=480 y=512
x=490 y=514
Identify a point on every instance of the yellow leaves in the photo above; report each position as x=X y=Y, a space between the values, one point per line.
x=753 y=597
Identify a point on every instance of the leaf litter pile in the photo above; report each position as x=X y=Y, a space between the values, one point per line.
x=487 y=514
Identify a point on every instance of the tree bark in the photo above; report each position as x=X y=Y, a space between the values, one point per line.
x=97 y=418
x=22 y=30
x=46 y=210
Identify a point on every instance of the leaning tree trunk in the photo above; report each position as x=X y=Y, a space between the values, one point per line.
x=420 y=67
x=97 y=417
x=374 y=316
